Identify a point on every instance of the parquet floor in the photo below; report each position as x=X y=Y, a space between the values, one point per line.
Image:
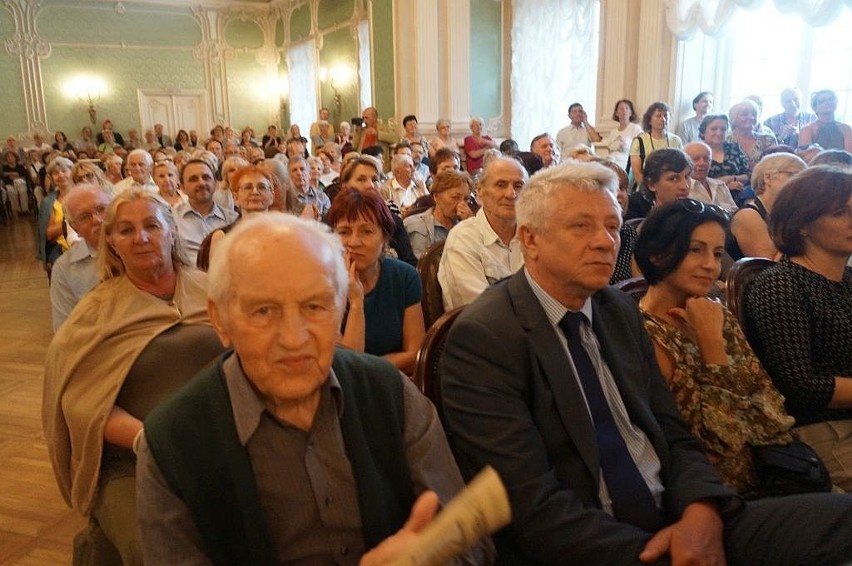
x=36 y=527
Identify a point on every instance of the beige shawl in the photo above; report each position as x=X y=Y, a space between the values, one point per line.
x=86 y=365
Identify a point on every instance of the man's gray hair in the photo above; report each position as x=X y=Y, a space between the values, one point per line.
x=146 y=156
x=535 y=203
x=401 y=159
x=487 y=169
x=261 y=227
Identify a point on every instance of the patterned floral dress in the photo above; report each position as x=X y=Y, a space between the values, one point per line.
x=728 y=408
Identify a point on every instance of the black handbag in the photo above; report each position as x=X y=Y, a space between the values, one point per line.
x=787 y=469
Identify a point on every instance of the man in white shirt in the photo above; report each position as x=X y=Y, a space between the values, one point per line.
x=403 y=189
x=711 y=191
x=75 y=273
x=139 y=164
x=578 y=132
x=200 y=215
x=484 y=249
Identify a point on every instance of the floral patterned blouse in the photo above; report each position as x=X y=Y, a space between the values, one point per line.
x=762 y=142
x=735 y=163
x=728 y=408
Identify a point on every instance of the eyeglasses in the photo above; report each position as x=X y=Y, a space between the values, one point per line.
x=87 y=217
x=699 y=207
x=260 y=187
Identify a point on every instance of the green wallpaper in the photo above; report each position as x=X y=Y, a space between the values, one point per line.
x=79 y=22
x=243 y=34
x=339 y=52
x=14 y=116
x=485 y=48
x=383 y=72
x=124 y=70
x=248 y=89
x=332 y=12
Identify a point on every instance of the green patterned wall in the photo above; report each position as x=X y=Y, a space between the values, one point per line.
x=249 y=91
x=124 y=71
x=383 y=72
x=486 y=75
x=243 y=34
x=101 y=23
x=339 y=53
x=300 y=23
x=14 y=114
x=332 y=12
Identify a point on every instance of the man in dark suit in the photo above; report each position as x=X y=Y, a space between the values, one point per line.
x=599 y=467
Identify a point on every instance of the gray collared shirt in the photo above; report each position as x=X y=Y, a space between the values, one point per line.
x=304 y=479
x=193 y=226
x=638 y=444
x=317 y=198
x=74 y=274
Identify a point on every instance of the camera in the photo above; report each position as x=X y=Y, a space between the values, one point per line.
x=357 y=122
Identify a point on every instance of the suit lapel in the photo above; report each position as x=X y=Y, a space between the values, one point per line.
x=551 y=356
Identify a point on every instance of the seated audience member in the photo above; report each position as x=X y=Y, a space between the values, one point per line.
x=162 y=138
x=744 y=118
x=729 y=164
x=344 y=138
x=314 y=129
x=836 y=157
x=139 y=164
x=666 y=179
x=411 y=134
x=798 y=313
x=403 y=189
x=619 y=139
x=300 y=180
x=722 y=391
x=544 y=146
x=107 y=127
x=378 y=152
x=315 y=165
x=247 y=138
x=63 y=146
x=787 y=125
x=749 y=233
x=271 y=138
x=627 y=233
x=51 y=229
x=13 y=174
x=284 y=197
x=121 y=352
x=167 y=178
x=110 y=145
x=687 y=130
x=86 y=172
x=655 y=124
x=150 y=143
x=703 y=188
x=825 y=131
x=578 y=132
x=450 y=194
x=443 y=140
x=200 y=215
x=114 y=170
x=225 y=194
x=254 y=188
x=324 y=135
x=375 y=437
x=550 y=378
x=363 y=173
x=421 y=169
x=443 y=160
x=75 y=273
x=383 y=317
x=86 y=143
x=475 y=146
x=484 y=249
x=182 y=141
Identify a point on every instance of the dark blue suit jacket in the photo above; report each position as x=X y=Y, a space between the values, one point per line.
x=511 y=401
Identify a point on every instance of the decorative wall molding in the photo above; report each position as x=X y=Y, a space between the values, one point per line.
x=29 y=48
x=213 y=52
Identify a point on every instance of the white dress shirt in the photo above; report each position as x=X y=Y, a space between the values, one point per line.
x=718 y=194
x=475 y=257
x=129 y=182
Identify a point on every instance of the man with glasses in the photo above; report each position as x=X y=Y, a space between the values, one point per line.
x=75 y=272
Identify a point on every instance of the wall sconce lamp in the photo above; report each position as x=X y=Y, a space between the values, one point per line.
x=337 y=78
x=88 y=89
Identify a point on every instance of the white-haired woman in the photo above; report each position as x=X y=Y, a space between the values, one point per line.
x=475 y=146
x=443 y=139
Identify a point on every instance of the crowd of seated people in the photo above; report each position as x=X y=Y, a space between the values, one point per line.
x=390 y=209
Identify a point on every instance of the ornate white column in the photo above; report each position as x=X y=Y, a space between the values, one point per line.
x=616 y=69
x=30 y=49
x=656 y=55
x=432 y=61
x=213 y=52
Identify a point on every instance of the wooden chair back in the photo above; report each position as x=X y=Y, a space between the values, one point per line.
x=427 y=373
x=433 y=297
x=740 y=277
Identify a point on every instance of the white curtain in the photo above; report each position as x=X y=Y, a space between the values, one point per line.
x=302 y=65
x=685 y=17
x=365 y=79
x=554 y=63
